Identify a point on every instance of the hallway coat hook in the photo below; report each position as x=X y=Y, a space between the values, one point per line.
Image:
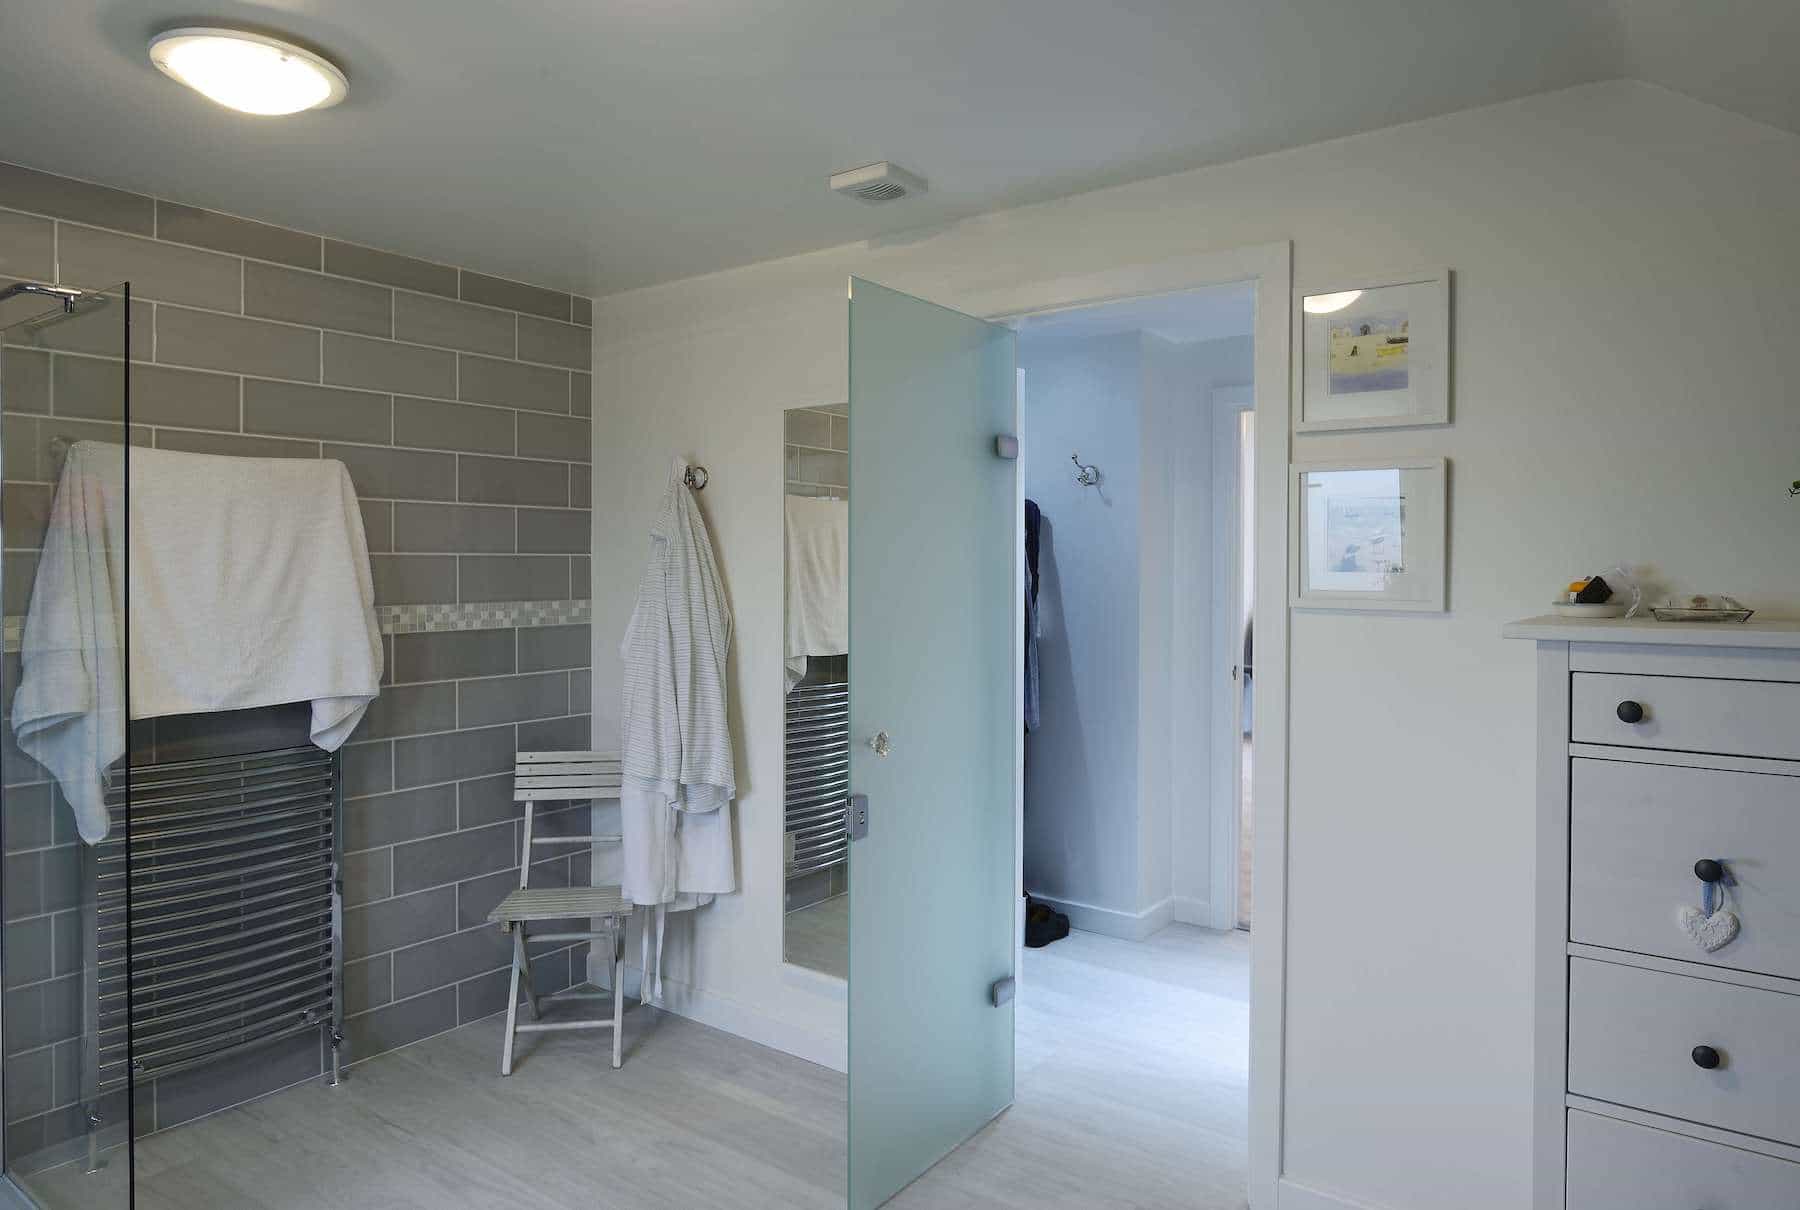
x=1087 y=476
x=695 y=477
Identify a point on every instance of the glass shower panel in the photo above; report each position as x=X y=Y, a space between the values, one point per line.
x=64 y=1028
x=936 y=615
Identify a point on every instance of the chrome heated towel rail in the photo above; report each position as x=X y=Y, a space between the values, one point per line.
x=236 y=914
x=818 y=776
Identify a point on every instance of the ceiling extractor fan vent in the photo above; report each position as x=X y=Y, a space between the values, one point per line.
x=877 y=183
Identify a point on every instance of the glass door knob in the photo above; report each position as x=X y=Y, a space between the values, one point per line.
x=879 y=744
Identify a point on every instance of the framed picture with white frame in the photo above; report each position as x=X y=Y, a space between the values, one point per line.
x=1369 y=534
x=1374 y=354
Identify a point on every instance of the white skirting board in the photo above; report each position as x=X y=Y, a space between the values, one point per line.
x=1130 y=926
x=1291 y=1195
x=826 y=1049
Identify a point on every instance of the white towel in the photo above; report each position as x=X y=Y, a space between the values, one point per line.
x=69 y=712
x=818 y=581
x=678 y=771
x=248 y=583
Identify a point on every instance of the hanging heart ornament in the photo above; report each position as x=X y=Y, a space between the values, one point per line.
x=1712 y=932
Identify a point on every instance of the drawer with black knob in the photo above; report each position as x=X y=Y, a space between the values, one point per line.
x=1645 y=842
x=1721 y=1054
x=1686 y=714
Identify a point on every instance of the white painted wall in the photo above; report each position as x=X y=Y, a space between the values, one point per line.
x=1082 y=774
x=1625 y=264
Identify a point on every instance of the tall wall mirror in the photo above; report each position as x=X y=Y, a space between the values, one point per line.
x=816 y=681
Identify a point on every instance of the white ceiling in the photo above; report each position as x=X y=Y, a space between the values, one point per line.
x=603 y=144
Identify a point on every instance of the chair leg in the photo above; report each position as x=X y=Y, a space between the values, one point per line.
x=512 y=1002
x=523 y=953
x=616 y=934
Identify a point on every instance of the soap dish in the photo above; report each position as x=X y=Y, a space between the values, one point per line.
x=1677 y=613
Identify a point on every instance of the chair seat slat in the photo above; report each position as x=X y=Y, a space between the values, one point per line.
x=558 y=903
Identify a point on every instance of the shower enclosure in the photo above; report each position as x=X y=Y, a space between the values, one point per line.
x=66 y=1090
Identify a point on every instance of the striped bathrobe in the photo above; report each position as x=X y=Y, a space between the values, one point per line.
x=675 y=748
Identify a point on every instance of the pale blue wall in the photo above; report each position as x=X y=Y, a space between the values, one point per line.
x=1081 y=765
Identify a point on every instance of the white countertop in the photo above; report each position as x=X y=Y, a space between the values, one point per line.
x=1782 y=633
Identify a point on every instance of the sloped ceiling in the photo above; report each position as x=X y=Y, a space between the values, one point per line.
x=1741 y=55
x=599 y=145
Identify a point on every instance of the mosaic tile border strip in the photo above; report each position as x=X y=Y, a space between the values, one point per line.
x=485 y=615
x=424 y=619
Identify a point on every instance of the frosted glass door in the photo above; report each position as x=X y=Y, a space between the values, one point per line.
x=935 y=636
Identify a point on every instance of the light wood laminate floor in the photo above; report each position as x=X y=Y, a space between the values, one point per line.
x=697 y=1119
x=1132 y=1083
x=1132 y=1063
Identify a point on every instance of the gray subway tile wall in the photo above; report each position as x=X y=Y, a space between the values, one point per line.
x=459 y=403
x=389 y=268
x=488 y=380
x=318 y=299
x=429 y=320
x=97 y=259
x=228 y=233
x=27 y=246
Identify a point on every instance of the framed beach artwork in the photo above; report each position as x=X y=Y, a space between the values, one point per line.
x=1375 y=355
x=1369 y=535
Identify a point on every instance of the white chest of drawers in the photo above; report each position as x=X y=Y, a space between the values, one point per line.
x=1666 y=1077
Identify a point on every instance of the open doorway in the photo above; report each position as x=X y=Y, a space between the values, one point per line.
x=1131 y=444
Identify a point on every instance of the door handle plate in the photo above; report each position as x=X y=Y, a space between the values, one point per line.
x=856 y=816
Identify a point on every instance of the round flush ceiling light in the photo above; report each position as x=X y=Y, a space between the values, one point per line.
x=251 y=73
x=1325 y=304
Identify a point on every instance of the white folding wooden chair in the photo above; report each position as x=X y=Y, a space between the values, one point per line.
x=555 y=777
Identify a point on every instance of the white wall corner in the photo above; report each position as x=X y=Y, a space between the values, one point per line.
x=826 y=1048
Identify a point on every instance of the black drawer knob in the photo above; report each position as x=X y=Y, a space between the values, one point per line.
x=1708 y=870
x=1706 y=1057
x=1631 y=712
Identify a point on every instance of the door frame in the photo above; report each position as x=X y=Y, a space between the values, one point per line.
x=1269 y=267
x=1225 y=404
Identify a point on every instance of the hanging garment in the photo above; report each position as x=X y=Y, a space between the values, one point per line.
x=1034 y=523
x=818 y=581
x=678 y=775
x=248 y=584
